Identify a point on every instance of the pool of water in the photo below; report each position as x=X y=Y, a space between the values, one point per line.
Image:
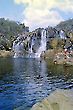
x=23 y=82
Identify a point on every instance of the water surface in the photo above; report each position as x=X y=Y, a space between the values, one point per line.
x=24 y=81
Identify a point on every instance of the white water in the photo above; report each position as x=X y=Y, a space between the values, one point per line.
x=18 y=48
x=30 y=49
x=42 y=47
x=62 y=34
x=31 y=53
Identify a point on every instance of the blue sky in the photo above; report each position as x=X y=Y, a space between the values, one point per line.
x=8 y=9
x=37 y=13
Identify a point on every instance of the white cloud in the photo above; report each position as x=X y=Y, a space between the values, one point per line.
x=38 y=12
x=41 y=18
x=66 y=5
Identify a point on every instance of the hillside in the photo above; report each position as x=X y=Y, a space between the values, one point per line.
x=65 y=25
x=9 y=29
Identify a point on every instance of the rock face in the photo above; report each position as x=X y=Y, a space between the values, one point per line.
x=58 y=100
x=65 y=25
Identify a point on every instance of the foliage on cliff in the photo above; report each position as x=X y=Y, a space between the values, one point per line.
x=9 y=29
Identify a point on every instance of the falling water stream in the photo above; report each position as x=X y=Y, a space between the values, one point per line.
x=18 y=47
x=42 y=47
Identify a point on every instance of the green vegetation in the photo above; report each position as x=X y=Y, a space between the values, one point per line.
x=8 y=31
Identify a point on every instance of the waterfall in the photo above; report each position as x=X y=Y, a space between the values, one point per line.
x=42 y=47
x=18 y=48
x=30 y=49
x=62 y=34
x=31 y=53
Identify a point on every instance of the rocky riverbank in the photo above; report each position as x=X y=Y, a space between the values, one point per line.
x=4 y=53
x=58 y=100
x=58 y=56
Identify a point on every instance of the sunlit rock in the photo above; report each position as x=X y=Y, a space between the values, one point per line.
x=58 y=100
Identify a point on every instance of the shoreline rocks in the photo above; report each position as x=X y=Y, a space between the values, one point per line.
x=58 y=100
x=63 y=58
x=4 y=53
x=58 y=57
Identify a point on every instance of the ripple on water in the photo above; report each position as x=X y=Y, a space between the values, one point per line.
x=29 y=81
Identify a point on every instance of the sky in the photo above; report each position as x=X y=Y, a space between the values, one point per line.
x=37 y=13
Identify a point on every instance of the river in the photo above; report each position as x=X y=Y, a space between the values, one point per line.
x=24 y=81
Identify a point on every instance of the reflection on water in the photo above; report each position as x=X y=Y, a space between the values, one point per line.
x=23 y=82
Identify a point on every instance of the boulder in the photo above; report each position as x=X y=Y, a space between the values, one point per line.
x=58 y=100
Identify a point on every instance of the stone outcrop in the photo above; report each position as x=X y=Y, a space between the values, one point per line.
x=58 y=100
x=62 y=58
x=4 y=53
x=67 y=26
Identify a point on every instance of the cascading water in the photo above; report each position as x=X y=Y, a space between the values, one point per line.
x=62 y=34
x=30 y=49
x=42 y=47
x=18 y=48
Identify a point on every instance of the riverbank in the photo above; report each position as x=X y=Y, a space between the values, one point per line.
x=59 y=56
x=4 y=53
x=56 y=57
x=58 y=100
